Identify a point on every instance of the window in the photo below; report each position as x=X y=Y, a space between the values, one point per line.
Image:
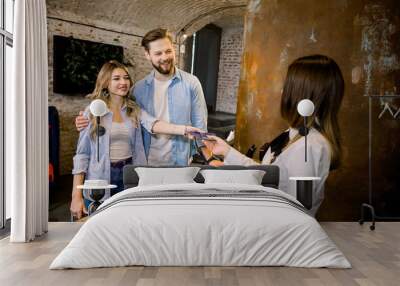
x=6 y=64
x=9 y=15
x=9 y=64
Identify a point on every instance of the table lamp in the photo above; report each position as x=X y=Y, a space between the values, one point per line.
x=98 y=108
x=305 y=108
x=304 y=185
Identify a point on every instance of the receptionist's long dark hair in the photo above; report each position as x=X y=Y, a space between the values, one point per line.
x=319 y=79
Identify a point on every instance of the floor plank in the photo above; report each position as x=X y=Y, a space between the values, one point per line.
x=375 y=257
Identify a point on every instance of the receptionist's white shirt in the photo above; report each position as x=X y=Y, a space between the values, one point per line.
x=292 y=164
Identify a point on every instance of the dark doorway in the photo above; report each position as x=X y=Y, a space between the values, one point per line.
x=206 y=62
x=188 y=54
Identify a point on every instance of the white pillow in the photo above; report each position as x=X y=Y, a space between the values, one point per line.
x=248 y=177
x=166 y=176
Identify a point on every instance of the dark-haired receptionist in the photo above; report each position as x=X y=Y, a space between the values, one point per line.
x=319 y=79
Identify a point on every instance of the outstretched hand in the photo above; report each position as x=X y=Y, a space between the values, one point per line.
x=189 y=130
x=217 y=145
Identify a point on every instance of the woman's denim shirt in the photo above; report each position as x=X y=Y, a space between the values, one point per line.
x=85 y=160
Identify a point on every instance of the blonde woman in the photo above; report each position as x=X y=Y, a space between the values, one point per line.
x=319 y=79
x=122 y=141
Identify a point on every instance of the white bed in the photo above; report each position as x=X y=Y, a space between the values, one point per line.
x=204 y=225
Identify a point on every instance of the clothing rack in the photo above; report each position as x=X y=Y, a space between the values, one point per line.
x=369 y=206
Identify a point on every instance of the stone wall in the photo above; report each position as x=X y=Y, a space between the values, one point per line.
x=229 y=69
x=68 y=106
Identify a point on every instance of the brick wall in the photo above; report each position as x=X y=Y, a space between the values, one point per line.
x=229 y=69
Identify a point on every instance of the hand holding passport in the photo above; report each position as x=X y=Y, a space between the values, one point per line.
x=202 y=135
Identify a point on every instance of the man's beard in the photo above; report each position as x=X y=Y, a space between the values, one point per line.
x=163 y=71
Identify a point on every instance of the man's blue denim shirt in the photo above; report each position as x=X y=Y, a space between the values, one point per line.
x=85 y=160
x=186 y=106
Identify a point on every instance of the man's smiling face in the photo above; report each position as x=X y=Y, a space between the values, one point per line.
x=161 y=54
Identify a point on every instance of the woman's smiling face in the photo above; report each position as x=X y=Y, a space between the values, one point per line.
x=119 y=82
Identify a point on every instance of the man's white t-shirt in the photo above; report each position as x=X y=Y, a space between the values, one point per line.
x=161 y=145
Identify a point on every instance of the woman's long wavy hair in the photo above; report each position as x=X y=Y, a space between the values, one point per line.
x=319 y=79
x=101 y=92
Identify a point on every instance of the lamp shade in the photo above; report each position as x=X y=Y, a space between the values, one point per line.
x=305 y=107
x=98 y=107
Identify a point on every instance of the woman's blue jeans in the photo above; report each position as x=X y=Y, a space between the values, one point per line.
x=116 y=178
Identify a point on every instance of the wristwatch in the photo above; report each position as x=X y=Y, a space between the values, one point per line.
x=212 y=158
x=209 y=160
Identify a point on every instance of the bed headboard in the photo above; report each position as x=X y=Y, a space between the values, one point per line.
x=270 y=179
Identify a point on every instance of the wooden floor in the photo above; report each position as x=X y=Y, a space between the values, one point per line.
x=375 y=257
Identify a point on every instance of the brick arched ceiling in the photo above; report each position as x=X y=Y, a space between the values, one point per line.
x=139 y=16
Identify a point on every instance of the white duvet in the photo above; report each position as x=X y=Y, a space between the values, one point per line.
x=183 y=230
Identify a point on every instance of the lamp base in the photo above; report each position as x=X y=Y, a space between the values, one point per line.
x=304 y=190
x=304 y=193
